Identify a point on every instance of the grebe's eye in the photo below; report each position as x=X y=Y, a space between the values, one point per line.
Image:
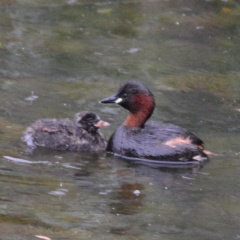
x=91 y=121
x=124 y=95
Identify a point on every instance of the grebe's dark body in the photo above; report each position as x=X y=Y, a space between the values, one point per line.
x=168 y=143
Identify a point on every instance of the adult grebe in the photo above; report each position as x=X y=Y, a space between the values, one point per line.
x=150 y=140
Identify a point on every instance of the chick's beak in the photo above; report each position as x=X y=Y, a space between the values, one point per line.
x=101 y=123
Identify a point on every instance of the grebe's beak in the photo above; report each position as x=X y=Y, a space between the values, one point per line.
x=101 y=123
x=112 y=99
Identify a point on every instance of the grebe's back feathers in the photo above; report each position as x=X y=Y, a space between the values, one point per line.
x=158 y=141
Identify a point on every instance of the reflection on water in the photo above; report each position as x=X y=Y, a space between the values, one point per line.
x=61 y=57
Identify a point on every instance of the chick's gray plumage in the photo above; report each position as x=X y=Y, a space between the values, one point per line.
x=64 y=134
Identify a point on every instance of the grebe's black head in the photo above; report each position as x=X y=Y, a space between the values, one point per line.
x=89 y=121
x=131 y=95
x=137 y=99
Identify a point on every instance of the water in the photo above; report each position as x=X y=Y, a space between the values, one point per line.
x=61 y=57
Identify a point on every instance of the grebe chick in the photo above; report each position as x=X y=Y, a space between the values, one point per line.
x=63 y=134
x=150 y=140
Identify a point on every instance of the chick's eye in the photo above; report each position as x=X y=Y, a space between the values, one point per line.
x=124 y=95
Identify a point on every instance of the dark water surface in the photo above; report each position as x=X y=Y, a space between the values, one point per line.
x=61 y=57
